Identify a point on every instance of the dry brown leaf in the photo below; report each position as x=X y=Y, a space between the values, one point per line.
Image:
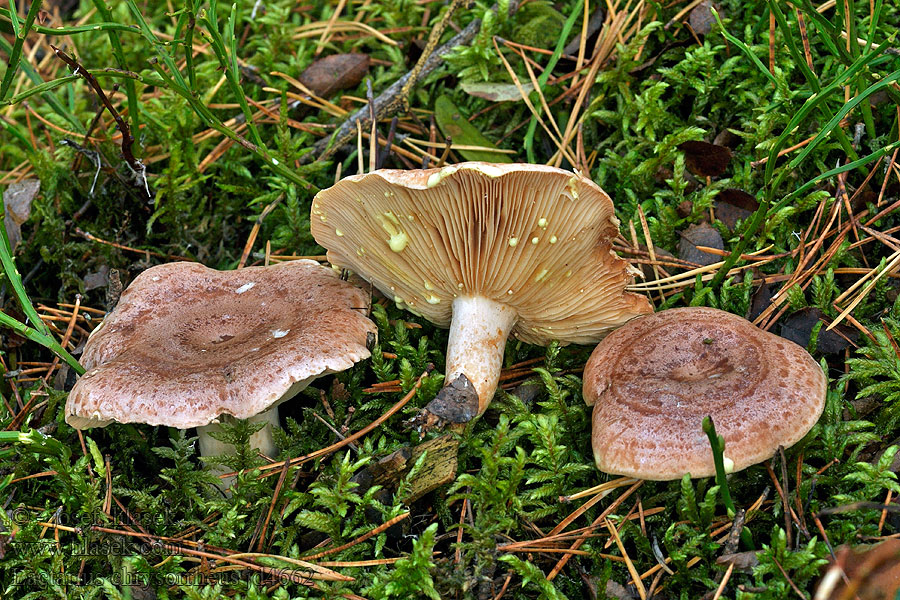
x=17 y=203
x=331 y=74
x=705 y=159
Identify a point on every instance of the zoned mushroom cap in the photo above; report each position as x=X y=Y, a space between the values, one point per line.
x=187 y=343
x=652 y=382
x=532 y=237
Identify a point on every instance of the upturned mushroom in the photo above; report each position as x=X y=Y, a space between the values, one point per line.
x=652 y=381
x=188 y=345
x=486 y=250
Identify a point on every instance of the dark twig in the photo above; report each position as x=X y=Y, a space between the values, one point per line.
x=448 y=142
x=127 y=139
x=373 y=136
x=389 y=102
x=786 y=497
x=433 y=38
x=383 y=156
x=788 y=528
x=854 y=506
x=734 y=536
x=789 y=580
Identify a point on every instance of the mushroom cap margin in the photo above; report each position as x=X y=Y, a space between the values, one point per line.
x=653 y=381
x=187 y=343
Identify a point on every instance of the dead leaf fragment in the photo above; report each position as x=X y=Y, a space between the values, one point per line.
x=733 y=205
x=742 y=561
x=618 y=591
x=701 y=19
x=438 y=468
x=96 y=279
x=760 y=301
x=454 y=125
x=799 y=325
x=331 y=74
x=705 y=159
x=17 y=204
x=700 y=235
x=10 y=338
x=496 y=92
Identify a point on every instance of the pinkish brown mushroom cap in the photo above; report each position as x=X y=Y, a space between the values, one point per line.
x=486 y=250
x=187 y=343
x=652 y=382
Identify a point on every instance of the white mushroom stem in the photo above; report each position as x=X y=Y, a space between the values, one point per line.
x=478 y=333
x=262 y=440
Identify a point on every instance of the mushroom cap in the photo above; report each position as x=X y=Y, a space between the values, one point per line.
x=652 y=382
x=536 y=238
x=187 y=343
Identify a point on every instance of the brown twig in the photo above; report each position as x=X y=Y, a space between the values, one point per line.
x=93 y=238
x=127 y=139
x=388 y=102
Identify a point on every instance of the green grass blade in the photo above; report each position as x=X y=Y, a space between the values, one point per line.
x=15 y=280
x=744 y=48
x=798 y=57
x=13 y=19
x=50 y=99
x=18 y=134
x=717 y=443
x=15 y=56
x=815 y=100
x=47 y=341
x=829 y=33
x=55 y=83
x=38 y=331
x=806 y=187
x=161 y=47
x=836 y=119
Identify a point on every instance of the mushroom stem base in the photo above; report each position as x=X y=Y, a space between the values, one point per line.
x=478 y=333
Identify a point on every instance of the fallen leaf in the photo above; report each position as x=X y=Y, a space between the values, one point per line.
x=496 y=92
x=327 y=76
x=705 y=159
x=701 y=19
x=595 y=22
x=799 y=325
x=438 y=468
x=455 y=126
x=728 y=138
x=760 y=301
x=733 y=205
x=96 y=279
x=618 y=591
x=17 y=204
x=742 y=561
x=699 y=235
